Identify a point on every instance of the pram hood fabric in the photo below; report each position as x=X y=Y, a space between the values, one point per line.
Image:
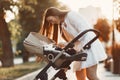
x=34 y=43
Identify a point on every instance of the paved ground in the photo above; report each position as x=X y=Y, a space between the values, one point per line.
x=102 y=73
x=106 y=75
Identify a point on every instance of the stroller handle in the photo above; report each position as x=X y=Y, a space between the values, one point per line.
x=88 y=45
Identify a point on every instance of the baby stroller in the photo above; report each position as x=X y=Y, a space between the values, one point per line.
x=58 y=58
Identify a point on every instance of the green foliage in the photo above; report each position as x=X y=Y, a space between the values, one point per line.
x=15 y=30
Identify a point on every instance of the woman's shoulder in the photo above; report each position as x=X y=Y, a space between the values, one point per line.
x=74 y=14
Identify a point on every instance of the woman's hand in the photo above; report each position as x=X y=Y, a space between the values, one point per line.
x=62 y=44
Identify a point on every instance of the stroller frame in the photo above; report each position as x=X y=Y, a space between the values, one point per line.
x=42 y=75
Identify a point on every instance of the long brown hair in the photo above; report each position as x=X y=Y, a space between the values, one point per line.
x=49 y=30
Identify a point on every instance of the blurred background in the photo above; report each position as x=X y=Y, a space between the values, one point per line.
x=20 y=17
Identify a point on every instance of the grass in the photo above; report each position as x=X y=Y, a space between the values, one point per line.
x=19 y=70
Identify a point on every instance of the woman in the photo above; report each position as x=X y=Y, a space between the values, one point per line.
x=68 y=24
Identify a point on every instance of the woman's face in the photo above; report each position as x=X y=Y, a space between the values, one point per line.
x=53 y=19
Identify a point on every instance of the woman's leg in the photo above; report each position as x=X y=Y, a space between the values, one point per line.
x=81 y=75
x=91 y=72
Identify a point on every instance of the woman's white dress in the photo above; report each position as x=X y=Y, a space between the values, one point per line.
x=75 y=24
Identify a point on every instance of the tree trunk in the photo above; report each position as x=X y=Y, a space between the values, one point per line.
x=25 y=56
x=7 y=55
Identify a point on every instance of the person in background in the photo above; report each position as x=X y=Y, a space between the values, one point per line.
x=68 y=24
